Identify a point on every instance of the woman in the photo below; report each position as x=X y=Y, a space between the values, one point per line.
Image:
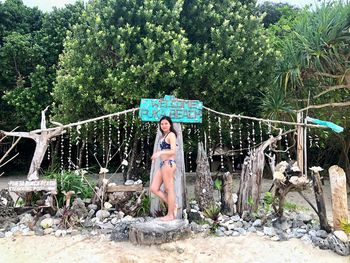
x=166 y=171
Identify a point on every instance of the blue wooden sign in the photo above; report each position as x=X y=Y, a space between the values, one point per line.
x=189 y=111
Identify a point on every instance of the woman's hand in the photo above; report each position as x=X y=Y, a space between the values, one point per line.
x=155 y=156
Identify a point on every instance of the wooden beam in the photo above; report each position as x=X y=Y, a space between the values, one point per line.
x=124 y=188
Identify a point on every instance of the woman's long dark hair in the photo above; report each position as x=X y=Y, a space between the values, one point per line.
x=171 y=125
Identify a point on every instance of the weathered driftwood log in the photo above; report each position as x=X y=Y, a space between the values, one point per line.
x=286 y=178
x=158 y=232
x=100 y=193
x=204 y=184
x=250 y=181
x=42 y=141
x=320 y=202
x=227 y=206
x=337 y=180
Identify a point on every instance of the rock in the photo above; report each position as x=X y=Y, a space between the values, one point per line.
x=228 y=232
x=338 y=246
x=2 y=234
x=79 y=209
x=8 y=234
x=320 y=242
x=252 y=229
x=193 y=215
x=92 y=206
x=27 y=219
x=107 y=205
x=275 y=238
x=102 y=214
x=129 y=182
x=180 y=250
x=306 y=239
x=219 y=233
x=235 y=234
x=321 y=233
x=48 y=231
x=235 y=218
x=158 y=232
x=46 y=223
x=269 y=231
x=341 y=235
x=304 y=217
x=257 y=223
x=168 y=247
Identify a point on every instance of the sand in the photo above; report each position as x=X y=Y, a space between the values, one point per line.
x=251 y=248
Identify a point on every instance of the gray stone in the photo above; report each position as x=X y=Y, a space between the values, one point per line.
x=321 y=233
x=338 y=246
x=237 y=224
x=2 y=234
x=158 y=232
x=252 y=229
x=235 y=234
x=257 y=223
x=102 y=214
x=269 y=231
x=235 y=218
x=320 y=242
x=92 y=206
x=48 y=231
x=306 y=239
x=219 y=233
x=228 y=232
x=241 y=231
x=79 y=209
x=304 y=217
x=313 y=233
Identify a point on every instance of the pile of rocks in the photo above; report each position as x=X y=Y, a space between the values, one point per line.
x=116 y=226
x=292 y=225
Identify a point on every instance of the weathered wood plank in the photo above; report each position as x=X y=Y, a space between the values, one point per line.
x=124 y=188
x=32 y=186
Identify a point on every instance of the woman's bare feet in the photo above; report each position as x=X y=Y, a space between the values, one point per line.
x=167 y=218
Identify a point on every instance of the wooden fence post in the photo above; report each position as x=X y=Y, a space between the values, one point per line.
x=337 y=180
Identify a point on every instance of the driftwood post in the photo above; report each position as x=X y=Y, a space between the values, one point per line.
x=227 y=206
x=204 y=184
x=252 y=172
x=42 y=140
x=337 y=180
x=300 y=142
x=321 y=205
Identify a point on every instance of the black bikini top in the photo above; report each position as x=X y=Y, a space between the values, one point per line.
x=164 y=145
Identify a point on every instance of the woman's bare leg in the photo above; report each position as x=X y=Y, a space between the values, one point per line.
x=155 y=187
x=168 y=179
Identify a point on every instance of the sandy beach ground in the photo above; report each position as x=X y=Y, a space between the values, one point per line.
x=249 y=248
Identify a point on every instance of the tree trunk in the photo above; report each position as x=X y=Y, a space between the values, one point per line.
x=204 y=184
x=321 y=205
x=227 y=206
x=339 y=196
x=39 y=153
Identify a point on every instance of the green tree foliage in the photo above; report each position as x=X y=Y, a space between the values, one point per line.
x=31 y=43
x=120 y=52
x=314 y=66
x=230 y=60
x=273 y=12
